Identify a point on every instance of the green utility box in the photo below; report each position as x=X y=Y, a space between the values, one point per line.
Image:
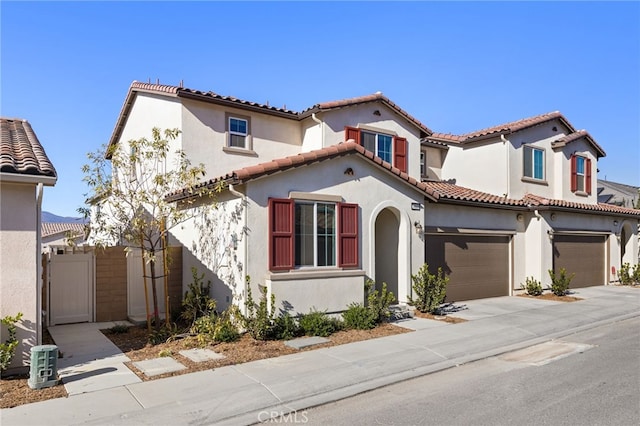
x=44 y=367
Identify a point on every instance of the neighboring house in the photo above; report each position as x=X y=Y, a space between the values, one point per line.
x=318 y=201
x=618 y=194
x=62 y=235
x=24 y=170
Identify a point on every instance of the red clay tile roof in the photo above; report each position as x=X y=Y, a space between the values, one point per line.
x=213 y=97
x=517 y=125
x=443 y=191
x=572 y=137
x=51 y=228
x=376 y=97
x=279 y=165
x=21 y=151
x=538 y=201
x=435 y=191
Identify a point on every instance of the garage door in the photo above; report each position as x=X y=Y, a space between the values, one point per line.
x=582 y=254
x=477 y=266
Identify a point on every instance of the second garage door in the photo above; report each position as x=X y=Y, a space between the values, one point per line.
x=477 y=265
x=582 y=254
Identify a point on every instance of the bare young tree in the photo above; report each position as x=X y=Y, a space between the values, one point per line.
x=127 y=200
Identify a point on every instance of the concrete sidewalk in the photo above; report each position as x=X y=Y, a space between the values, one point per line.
x=247 y=393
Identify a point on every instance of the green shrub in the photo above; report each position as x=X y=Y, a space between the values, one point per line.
x=286 y=327
x=225 y=329
x=532 y=286
x=317 y=323
x=165 y=353
x=636 y=272
x=162 y=334
x=8 y=348
x=430 y=290
x=119 y=329
x=378 y=302
x=358 y=317
x=197 y=302
x=259 y=321
x=560 y=285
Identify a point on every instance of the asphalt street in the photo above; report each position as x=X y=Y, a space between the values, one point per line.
x=594 y=381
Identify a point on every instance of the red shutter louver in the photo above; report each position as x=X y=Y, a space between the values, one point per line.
x=400 y=153
x=280 y=234
x=574 y=174
x=587 y=174
x=352 y=133
x=348 y=235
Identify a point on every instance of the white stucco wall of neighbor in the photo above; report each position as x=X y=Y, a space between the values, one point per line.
x=18 y=264
x=333 y=288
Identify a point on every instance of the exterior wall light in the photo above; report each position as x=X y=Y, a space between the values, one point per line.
x=550 y=234
x=418 y=227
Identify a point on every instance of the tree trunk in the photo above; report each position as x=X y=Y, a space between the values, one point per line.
x=152 y=269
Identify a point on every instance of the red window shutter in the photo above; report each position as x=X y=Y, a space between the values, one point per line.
x=587 y=174
x=400 y=153
x=280 y=234
x=574 y=174
x=348 y=235
x=352 y=133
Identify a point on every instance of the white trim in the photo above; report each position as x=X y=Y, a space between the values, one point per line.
x=31 y=179
x=329 y=272
x=310 y=196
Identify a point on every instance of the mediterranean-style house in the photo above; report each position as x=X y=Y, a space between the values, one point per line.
x=24 y=170
x=319 y=201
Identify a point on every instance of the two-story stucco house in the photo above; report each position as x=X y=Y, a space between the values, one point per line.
x=318 y=201
x=24 y=170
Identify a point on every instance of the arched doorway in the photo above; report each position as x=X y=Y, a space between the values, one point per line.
x=387 y=227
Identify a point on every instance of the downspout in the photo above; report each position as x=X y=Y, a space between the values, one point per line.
x=39 y=191
x=246 y=243
x=505 y=141
x=321 y=123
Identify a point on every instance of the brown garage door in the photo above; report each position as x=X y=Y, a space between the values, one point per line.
x=477 y=266
x=582 y=254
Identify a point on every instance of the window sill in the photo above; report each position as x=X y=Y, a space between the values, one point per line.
x=536 y=181
x=314 y=273
x=240 y=151
x=581 y=194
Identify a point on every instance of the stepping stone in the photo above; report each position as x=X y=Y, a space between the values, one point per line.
x=157 y=366
x=201 y=355
x=305 y=342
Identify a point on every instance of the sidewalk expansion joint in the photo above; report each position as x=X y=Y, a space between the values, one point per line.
x=258 y=382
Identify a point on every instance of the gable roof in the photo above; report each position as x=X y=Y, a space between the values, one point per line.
x=518 y=125
x=542 y=202
x=229 y=101
x=21 y=152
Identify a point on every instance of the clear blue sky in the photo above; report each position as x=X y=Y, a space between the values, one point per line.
x=457 y=67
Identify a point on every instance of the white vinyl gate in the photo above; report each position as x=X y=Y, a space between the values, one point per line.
x=71 y=288
x=136 y=305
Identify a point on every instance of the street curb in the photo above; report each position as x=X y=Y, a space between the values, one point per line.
x=292 y=407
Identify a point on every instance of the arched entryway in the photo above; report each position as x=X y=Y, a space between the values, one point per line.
x=387 y=227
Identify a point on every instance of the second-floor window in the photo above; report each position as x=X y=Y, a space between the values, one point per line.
x=392 y=149
x=238 y=132
x=423 y=164
x=533 y=162
x=580 y=174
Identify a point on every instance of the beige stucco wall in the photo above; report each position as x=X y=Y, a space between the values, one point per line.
x=19 y=257
x=204 y=137
x=481 y=166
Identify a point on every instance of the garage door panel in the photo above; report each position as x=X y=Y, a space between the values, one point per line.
x=477 y=266
x=583 y=255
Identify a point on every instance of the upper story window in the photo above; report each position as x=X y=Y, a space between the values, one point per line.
x=533 y=162
x=580 y=174
x=312 y=234
x=238 y=131
x=392 y=149
x=423 y=164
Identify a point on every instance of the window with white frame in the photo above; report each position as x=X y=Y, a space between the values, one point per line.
x=533 y=162
x=378 y=143
x=423 y=164
x=315 y=234
x=238 y=129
